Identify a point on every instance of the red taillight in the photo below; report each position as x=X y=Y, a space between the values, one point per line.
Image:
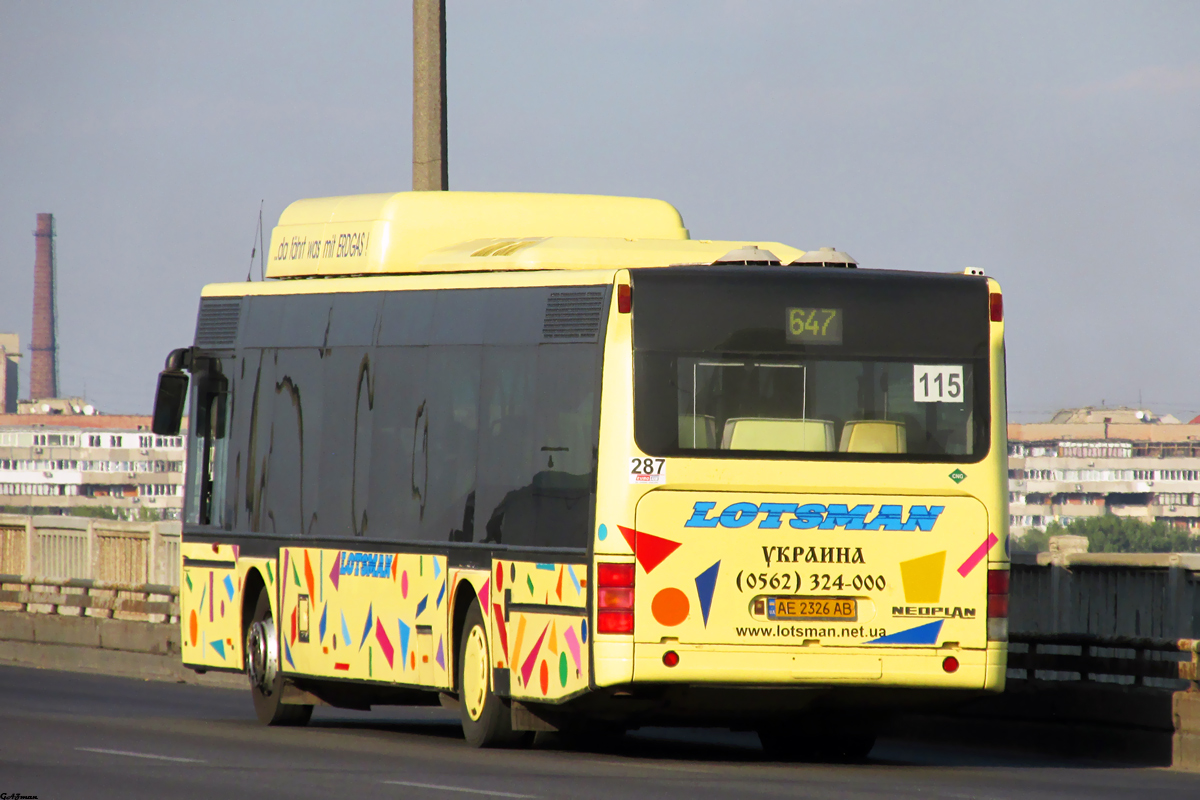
x=950 y=664
x=996 y=307
x=614 y=575
x=624 y=298
x=997 y=605
x=670 y=658
x=614 y=598
x=998 y=593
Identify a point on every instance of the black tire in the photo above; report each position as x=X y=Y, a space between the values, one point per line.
x=486 y=718
x=267 y=693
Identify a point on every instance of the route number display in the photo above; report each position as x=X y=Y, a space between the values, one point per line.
x=937 y=384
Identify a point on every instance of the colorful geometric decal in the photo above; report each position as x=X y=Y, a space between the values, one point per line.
x=287 y=653
x=501 y=628
x=649 y=550
x=531 y=659
x=321 y=627
x=574 y=580
x=219 y=646
x=367 y=627
x=385 y=644
x=421 y=605
x=345 y=631
x=404 y=584
x=922 y=634
x=922 y=578
x=441 y=653
x=670 y=607
x=228 y=582
x=573 y=646
x=441 y=594
x=483 y=596
x=336 y=572
x=437 y=568
x=974 y=559
x=706 y=584
x=404 y=632
x=308 y=575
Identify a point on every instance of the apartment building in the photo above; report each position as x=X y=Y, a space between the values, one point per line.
x=64 y=462
x=1094 y=461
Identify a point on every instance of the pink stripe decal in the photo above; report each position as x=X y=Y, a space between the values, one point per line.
x=974 y=559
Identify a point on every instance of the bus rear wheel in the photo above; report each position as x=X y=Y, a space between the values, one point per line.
x=262 y=668
x=486 y=718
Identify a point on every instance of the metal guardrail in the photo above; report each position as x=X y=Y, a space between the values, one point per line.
x=87 y=598
x=1133 y=661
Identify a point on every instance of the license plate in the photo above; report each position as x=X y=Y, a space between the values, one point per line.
x=812 y=608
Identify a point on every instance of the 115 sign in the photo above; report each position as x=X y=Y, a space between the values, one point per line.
x=937 y=384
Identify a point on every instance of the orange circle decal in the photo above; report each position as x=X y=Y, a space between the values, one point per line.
x=670 y=607
x=545 y=677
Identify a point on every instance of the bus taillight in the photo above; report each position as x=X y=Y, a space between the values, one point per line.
x=614 y=598
x=996 y=307
x=997 y=605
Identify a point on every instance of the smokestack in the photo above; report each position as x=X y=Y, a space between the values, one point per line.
x=43 y=367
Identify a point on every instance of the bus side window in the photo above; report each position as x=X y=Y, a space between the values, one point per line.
x=209 y=446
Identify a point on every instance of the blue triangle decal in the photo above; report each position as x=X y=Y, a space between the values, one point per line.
x=345 y=631
x=219 y=646
x=324 y=613
x=437 y=568
x=922 y=634
x=367 y=627
x=287 y=653
x=404 y=632
x=706 y=583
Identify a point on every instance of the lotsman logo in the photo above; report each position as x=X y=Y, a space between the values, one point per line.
x=368 y=565
x=815 y=515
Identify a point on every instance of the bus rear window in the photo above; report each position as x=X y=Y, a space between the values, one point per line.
x=806 y=363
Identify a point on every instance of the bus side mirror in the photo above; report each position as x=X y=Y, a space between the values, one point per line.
x=168 y=402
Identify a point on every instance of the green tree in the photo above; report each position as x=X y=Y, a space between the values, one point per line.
x=1113 y=534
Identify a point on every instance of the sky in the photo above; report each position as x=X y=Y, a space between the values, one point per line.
x=1056 y=145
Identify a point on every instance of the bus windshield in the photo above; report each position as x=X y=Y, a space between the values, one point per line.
x=807 y=363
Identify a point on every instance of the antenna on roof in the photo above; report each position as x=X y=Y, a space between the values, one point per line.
x=258 y=248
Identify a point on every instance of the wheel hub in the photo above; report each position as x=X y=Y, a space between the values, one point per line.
x=262 y=655
x=475 y=673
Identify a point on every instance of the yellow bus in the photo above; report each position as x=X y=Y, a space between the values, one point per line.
x=549 y=461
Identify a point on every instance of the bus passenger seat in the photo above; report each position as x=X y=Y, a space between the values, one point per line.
x=795 y=435
x=874 y=436
x=697 y=432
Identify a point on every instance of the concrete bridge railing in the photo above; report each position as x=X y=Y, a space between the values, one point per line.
x=53 y=547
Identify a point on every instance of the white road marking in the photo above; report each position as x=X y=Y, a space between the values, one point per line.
x=458 y=789
x=140 y=755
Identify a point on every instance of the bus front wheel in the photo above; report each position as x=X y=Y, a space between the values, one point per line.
x=262 y=668
x=486 y=718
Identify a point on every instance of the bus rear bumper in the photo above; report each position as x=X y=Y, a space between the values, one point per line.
x=942 y=668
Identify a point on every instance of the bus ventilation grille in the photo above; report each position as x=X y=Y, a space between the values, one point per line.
x=217 y=324
x=573 y=316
